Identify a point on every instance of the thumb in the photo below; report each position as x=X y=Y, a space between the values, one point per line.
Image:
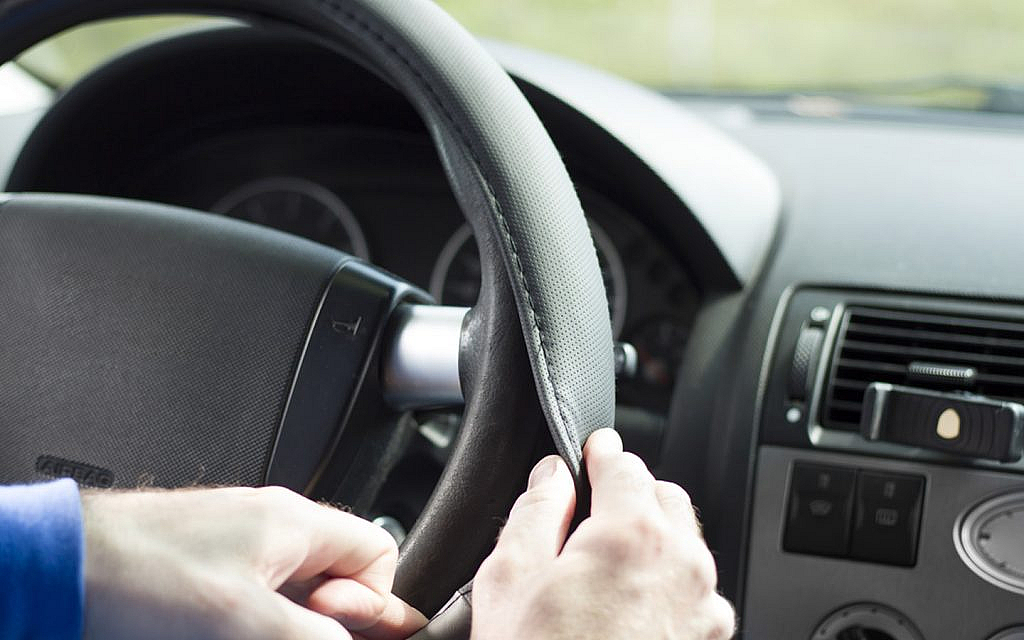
x=539 y=521
x=398 y=622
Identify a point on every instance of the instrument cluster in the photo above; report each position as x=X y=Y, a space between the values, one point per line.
x=382 y=197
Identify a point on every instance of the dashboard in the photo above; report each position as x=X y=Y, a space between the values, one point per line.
x=767 y=296
x=899 y=237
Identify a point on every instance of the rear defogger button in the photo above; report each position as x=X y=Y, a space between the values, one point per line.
x=887 y=516
x=819 y=510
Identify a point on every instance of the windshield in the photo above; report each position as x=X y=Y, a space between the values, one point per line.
x=951 y=53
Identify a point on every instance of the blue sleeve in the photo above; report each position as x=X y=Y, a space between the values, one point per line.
x=41 y=554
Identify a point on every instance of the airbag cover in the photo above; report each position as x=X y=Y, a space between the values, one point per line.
x=146 y=345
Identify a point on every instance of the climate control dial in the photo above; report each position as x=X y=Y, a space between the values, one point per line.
x=866 y=621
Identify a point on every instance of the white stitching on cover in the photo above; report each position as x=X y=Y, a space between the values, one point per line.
x=520 y=274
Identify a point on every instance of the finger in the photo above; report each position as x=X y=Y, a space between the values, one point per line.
x=299 y=623
x=620 y=481
x=676 y=505
x=539 y=521
x=299 y=592
x=343 y=545
x=398 y=622
x=351 y=603
x=603 y=442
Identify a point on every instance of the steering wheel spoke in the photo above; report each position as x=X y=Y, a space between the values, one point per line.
x=420 y=369
x=333 y=389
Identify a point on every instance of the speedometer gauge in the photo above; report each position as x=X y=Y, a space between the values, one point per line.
x=299 y=207
x=456 y=276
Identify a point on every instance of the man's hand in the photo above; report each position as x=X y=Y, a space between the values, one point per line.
x=236 y=563
x=636 y=568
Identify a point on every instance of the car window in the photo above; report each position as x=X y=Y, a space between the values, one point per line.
x=954 y=53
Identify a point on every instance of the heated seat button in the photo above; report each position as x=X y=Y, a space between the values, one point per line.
x=887 y=516
x=819 y=511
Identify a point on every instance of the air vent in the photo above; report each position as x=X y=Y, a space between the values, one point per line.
x=931 y=351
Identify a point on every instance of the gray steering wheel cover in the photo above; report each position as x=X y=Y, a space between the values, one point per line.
x=495 y=151
x=475 y=111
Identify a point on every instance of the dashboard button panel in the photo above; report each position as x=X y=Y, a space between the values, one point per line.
x=859 y=514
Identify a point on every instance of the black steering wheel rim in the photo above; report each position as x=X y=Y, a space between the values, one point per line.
x=540 y=271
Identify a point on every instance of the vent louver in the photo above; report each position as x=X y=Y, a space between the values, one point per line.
x=926 y=350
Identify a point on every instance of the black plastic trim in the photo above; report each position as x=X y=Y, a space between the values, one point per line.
x=343 y=340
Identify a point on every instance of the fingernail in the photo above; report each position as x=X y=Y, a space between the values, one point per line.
x=544 y=469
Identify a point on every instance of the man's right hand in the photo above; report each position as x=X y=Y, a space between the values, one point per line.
x=636 y=568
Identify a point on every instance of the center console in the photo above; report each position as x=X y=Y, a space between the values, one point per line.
x=889 y=486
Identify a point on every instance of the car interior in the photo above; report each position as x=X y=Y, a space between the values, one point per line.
x=811 y=315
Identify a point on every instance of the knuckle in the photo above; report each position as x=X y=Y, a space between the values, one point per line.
x=672 y=493
x=628 y=542
x=532 y=497
x=633 y=529
x=619 y=541
x=271 y=506
x=631 y=479
x=498 y=570
x=648 y=530
x=236 y=492
x=696 y=573
x=275 y=496
x=700 y=584
x=723 y=619
x=703 y=574
x=630 y=464
x=386 y=544
x=542 y=497
x=219 y=605
x=632 y=460
x=631 y=473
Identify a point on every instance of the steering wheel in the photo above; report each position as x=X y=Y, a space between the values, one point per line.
x=144 y=344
